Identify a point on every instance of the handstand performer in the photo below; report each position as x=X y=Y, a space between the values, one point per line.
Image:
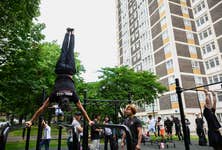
x=64 y=90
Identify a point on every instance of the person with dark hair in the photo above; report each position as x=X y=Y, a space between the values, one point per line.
x=187 y=123
x=64 y=90
x=78 y=130
x=46 y=136
x=152 y=125
x=95 y=133
x=200 y=130
x=168 y=127
x=108 y=135
x=177 y=127
x=135 y=126
x=214 y=127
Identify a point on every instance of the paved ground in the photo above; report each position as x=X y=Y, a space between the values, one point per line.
x=178 y=146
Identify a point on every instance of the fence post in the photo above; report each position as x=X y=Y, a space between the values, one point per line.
x=85 y=126
x=39 y=134
x=60 y=137
x=27 y=138
x=179 y=91
x=4 y=136
x=76 y=144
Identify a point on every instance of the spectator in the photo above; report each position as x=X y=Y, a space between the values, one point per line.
x=78 y=130
x=160 y=124
x=95 y=133
x=108 y=135
x=168 y=127
x=200 y=130
x=46 y=136
x=152 y=125
x=135 y=126
x=214 y=127
x=187 y=123
x=177 y=127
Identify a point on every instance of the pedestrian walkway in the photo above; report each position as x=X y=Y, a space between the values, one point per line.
x=148 y=146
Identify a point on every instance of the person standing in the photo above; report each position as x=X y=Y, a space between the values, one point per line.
x=46 y=135
x=108 y=135
x=168 y=127
x=135 y=126
x=152 y=125
x=160 y=124
x=187 y=123
x=78 y=130
x=200 y=130
x=214 y=127
x=177 y=127
x=95 y=133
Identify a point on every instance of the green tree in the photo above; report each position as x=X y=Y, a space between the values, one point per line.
x=119 y=82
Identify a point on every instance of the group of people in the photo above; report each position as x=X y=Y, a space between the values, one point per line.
x=160 y=127
x=64 y=92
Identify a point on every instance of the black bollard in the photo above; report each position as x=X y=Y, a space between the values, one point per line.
x=179 y=91
x=27 y=138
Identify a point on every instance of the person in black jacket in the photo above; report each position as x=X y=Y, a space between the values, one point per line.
x=64 y=90
x=168 y=124
x=200 y=130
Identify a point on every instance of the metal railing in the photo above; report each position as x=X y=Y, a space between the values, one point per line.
x=4 y=136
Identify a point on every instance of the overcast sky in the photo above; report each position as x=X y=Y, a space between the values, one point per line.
x=95 y=30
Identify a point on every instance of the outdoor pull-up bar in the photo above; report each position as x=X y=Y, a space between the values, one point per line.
x=179 y=90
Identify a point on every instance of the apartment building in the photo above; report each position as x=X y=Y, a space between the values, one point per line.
x=174 y=39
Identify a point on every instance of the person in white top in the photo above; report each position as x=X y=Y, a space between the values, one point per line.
x=78 y=129
x=160 y=124
x=46 y=135
x=152 y=125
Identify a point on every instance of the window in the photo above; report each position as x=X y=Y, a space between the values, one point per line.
x=219 y=96
x=212 y=63
x=189 y=35
x=165 y=34
x=163 y=21
x=204 y=34
x=199 y=7
x=169 y=64
x=184 y=10
x=171 y=80
x=195 y=64
x=201 y=96
x=208 y=48
x=192 y=49
x=187 y=22
x=215 y=77
x=217 y=61
x=198 y=80
x=173 y=97
x=210 y=80
x=207 y=65
x=167 y=49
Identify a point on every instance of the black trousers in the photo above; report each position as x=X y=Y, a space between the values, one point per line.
x=66 y=62
x=109 y=138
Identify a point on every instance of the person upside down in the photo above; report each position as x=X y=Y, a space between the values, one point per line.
x=64 y=89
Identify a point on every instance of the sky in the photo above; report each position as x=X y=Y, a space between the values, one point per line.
x=94 y=22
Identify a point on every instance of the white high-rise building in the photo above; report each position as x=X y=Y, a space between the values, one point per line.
x=173 y=39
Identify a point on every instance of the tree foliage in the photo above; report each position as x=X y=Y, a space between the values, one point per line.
x=118 y=83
